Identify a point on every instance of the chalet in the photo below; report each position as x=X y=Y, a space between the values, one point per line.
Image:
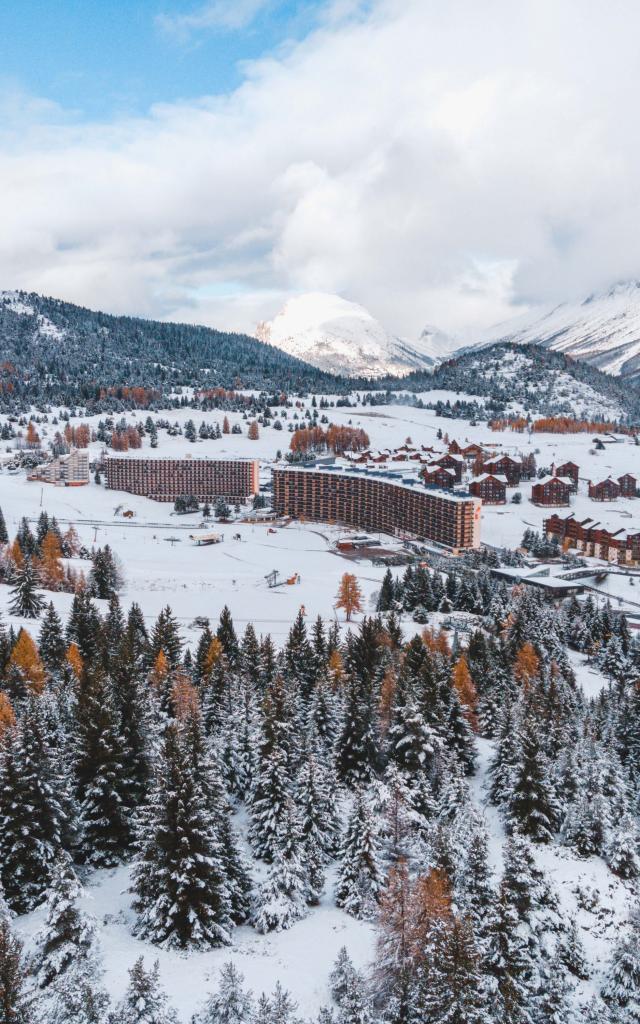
x=454 y=448
x=605 y=490
x=505 y=465
x=451 y=461
x=490 y=488
x=439 y=476
x=569 y=470
x=552 y=490
x=628 y=486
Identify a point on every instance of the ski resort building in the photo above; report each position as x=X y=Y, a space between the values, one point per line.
x=70 y=470
x=167 y=479
x=373 y=501
x=569 y=470
x=552 y=490
x=505 y=465
x=595 y=538
x=605 y=490
x=490 y=488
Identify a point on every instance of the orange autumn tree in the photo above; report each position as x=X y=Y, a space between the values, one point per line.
x=527 y=665
x=25 y=663
x=464 y=686
x=49 y=565
x=7 y=717
x=74 y=660
x=212 y=657
x=335 y=670
x=253 y=433
x=349 y=595
x=184 y=698
x=159 y=671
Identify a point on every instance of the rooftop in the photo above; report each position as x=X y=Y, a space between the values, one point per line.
x=387 y=477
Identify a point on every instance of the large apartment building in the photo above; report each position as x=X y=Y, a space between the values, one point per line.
x=369 y=501
x=70 y=470
x=167 y=479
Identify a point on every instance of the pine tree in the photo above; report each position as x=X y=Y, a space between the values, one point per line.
x=178 y=880
x=25 y=600
x=68 y=936
x=226 y=634
x=622 y=846
x=105 y=814
x=359 y=880
x=34 y=809
x=530 y=802
x=51 y=643
x=386 y=595
x=230 y=1004
x=14 y=1002
x=4 y=536
x=144 y=1002
x=621 y=990
x=166 y=638
x=282 y=899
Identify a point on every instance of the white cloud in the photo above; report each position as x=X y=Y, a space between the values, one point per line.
x=216 y=14
x=438 y=163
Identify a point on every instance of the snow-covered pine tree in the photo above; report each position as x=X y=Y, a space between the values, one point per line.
x=144 y=1002
x=622 y=848
x=26 y=602
x=51 y=643
x=15 y=1005
x=35 y=808
x=621 y=989
x=359 y=878
x=178 y=880
x=281 y=900
x=231 y=1004
x=103 y=789
x=530 y=799
x=68 y=935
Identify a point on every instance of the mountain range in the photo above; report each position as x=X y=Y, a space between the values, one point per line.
x=339 y=336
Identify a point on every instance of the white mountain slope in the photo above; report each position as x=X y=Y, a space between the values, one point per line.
x=342 y=337
x=604 y=330
x=14 y=302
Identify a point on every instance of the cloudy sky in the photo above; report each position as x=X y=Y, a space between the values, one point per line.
x=439 y=161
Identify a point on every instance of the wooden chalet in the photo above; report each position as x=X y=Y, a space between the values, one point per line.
x=439 y=476
x=490 y=488
x=552 y=490
x=505 y=465
x=594 y=538
x=451 y=461
x=569 y=470
x=628 y=485
x=604 y=490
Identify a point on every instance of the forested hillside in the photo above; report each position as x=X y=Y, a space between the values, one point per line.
x=55 y=352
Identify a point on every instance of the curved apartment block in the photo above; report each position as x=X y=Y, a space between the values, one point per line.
x=369 y=501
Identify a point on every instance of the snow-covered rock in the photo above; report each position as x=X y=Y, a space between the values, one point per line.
x=603 y=330
x=334 y=334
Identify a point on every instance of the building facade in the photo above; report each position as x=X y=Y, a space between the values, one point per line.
x=167 y=479
x=491 y=489
x=505 y=465
x=438 y=476
x=593 y=538
x=604 y=490
x=628 y=486
x=70 y=470
x=570 y=471
x=369 y=502
x=552 y=490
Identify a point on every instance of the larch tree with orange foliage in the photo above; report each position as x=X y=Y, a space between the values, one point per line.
x=7 y=716
x=74 y=660
x=349 y=595
x=465 y=687
x=253 y=433
x=25 y=671
x=527 y=665
x=50 y=567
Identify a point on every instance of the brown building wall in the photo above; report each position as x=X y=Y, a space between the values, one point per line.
x=554 y=493
x=371 y=504
x=491 y=492
x=166 y=479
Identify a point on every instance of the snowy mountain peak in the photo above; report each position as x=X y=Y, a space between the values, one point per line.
x=339 y=336
x=603 y=329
